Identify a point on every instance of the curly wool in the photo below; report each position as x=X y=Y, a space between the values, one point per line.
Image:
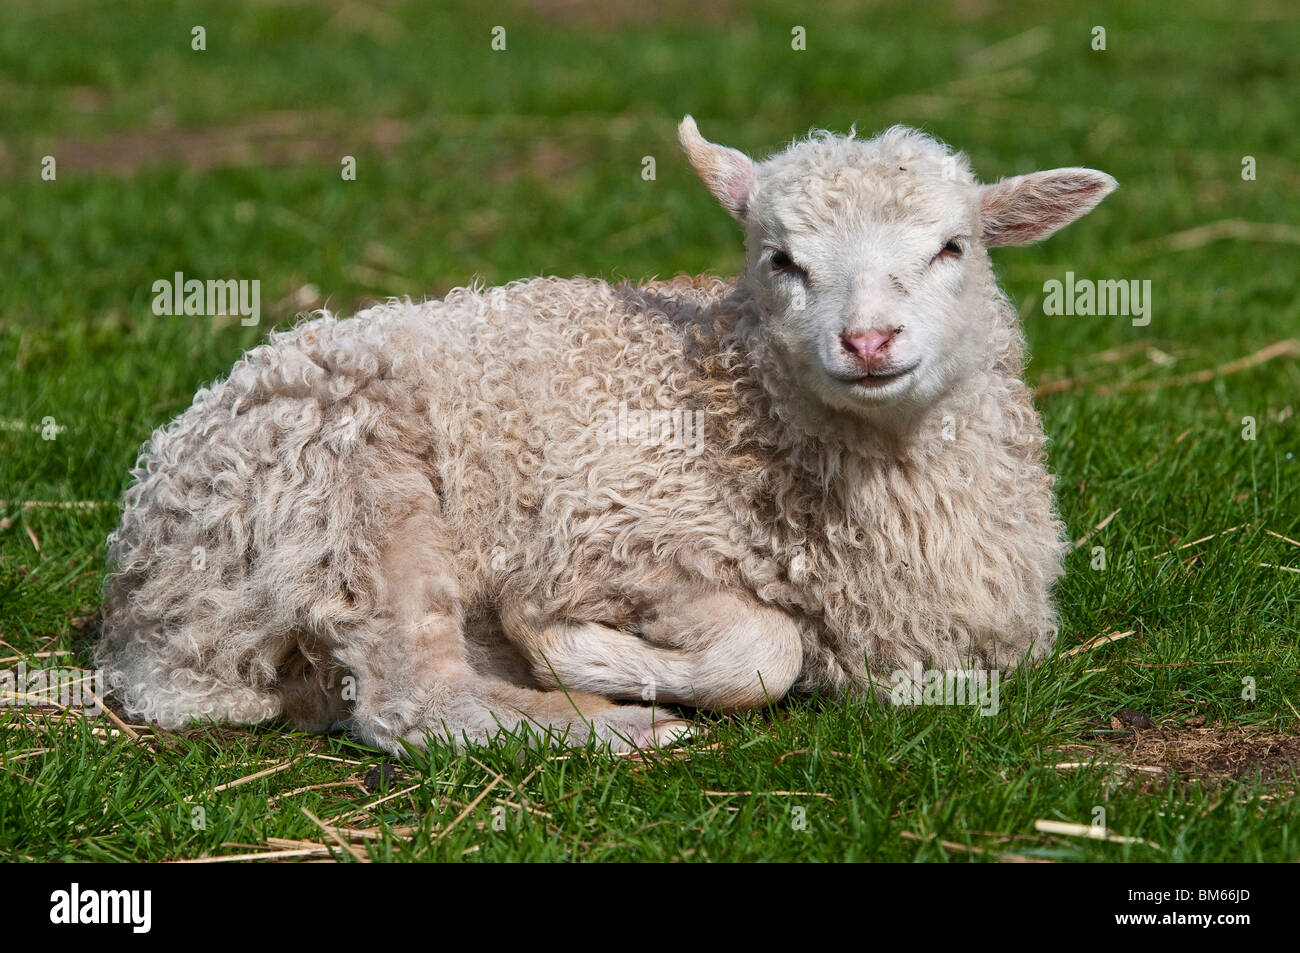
x=253 y=534
x=259 y=514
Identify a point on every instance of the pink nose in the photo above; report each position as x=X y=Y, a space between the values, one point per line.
x=868 y=346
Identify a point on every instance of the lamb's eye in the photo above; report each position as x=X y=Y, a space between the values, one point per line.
x=781 y=261
x=953 y=248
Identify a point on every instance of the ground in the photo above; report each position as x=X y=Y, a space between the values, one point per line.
x=1176 y=738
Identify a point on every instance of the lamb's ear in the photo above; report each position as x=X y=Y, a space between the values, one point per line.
x=728 y=174
x=1024 y=209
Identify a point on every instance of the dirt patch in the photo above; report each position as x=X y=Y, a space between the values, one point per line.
x=1212 y=756
x=87 y=99
x=548 y=160
x=281 y=138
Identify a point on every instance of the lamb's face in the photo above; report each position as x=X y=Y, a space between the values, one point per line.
x=866 y=261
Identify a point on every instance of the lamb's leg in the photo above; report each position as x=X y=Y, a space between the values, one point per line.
x=413 y=678
x=710 y=649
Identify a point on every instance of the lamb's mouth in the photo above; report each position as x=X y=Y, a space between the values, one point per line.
x=879 y=378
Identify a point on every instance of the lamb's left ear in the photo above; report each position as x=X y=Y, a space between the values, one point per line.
x=1024 y=209
x=728 y=174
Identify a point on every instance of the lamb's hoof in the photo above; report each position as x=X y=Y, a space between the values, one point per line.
x=665 y=733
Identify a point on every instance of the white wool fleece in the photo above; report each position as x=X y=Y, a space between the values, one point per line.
x=413 y=496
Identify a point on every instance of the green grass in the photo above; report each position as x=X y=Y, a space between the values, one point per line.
x=500 y=165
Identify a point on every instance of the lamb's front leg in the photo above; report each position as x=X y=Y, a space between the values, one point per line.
x=701 y=647
x=402 y=700
x=413 y=678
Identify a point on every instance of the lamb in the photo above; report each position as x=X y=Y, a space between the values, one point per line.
x=454 y=518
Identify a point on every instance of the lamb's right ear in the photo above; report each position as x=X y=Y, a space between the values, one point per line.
x=728 y=174
x=1024 y=209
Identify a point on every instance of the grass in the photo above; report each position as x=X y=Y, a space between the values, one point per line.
x=473 y=163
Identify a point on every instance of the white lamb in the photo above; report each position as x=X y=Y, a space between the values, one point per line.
x=490 y=511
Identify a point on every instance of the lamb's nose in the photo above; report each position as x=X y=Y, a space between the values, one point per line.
x=867 y=345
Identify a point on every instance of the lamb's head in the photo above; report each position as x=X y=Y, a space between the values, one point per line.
x=868 y=258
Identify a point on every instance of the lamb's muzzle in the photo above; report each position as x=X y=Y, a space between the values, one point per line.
x=491 y=511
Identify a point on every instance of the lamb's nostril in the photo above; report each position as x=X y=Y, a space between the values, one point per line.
x=867 y=345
